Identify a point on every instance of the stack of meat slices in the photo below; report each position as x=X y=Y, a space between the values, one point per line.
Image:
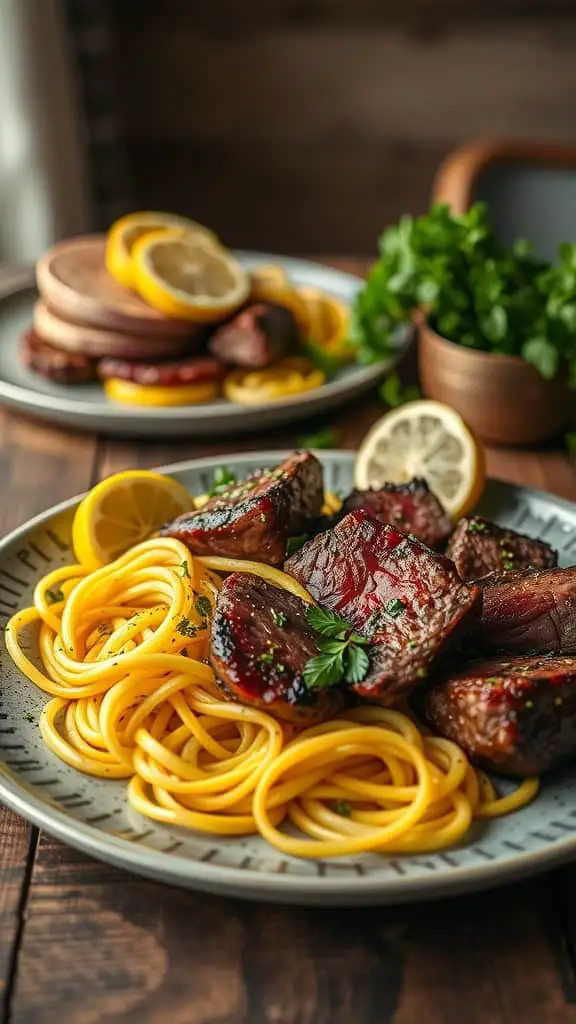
x=86 y=327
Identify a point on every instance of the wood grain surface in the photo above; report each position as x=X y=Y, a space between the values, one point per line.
x=81 y=942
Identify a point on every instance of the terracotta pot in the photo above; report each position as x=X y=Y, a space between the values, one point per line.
x=502 y=398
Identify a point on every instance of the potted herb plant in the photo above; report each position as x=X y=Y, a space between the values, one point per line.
x=497 y=326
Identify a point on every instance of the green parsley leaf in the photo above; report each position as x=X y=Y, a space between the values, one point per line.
x=321 y=359
x=185 y=569
x=295 y=543
x=542 y=354
x=341 y=654
x=54 y=596
x=394 y=394
x=186 y=628
x=395 y=607
x=324 y=670
x=280 y=618
x=326 y=623
x=327 y=438
x=203 y=606
x=222 y=479
x=343 y=808
x=358 y=664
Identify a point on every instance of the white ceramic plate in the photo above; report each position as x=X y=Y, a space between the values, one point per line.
x=86 y=407
x=93 y=815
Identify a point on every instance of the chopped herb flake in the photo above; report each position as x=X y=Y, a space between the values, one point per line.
x=280 y=618
x=54 y=596
x=421 y=673
x=203 y=606
x=343 y=808
x=223 y=479
x=395 y=607
x=185 y=569
x=186 y=628
x=477 y=526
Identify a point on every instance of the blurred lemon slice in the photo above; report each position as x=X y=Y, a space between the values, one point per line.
x=128 y=393
x=266 y=276
x=426 y=439
x=328 y=321
x=290 y=376
x=122 y=511
x=125 y=232
x=187 y=277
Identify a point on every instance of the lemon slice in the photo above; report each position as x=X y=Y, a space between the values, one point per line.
x=426 y=439
x=328 y=321
x=129 y=393
x=123 y=510
x=266 y=276
x=125 y=232
x=188 y=277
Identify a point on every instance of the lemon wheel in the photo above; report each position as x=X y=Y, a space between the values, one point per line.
x=125 y=232
x=123 y=510
x=424 y=439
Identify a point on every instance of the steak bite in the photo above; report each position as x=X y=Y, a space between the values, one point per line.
x=261 y=642
x=255 y=517
x=407 y=599
x=529 y=610
x=409 y=507
x=516 y=716
x=256 y=336
x=478 y=547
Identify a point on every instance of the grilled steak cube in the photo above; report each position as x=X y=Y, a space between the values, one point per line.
x=261 y=642
x=254 y=518
x=410 y=507
x=256 y=336
x=478 y=547
x=529 y=610
x=407 y=599
x=515 y=716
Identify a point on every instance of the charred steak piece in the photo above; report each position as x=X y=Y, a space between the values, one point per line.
x=514 y=716
x=255 y=518
x=261 y=642
x=54 y=363
x=529 y=610
x=478 y=547
x=196 y=370
x=410 y=507
x=391 y=588
x=256 y=336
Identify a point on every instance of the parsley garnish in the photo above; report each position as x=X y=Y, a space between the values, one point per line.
x=54 y=596
x=395 y=607
x=327 y=438
x=477 y=526
x=280 y=618
x=341 y=655
x=394 y=394
x=222 y=479
x=185 y=569
x=186 y=628
x=295 y=543
x=343 y=808
x=203 y=606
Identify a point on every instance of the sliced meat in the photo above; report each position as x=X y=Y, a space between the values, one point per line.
x=255 y=517
x=410 y=507
x=54 y=364
x=515 y=716
x=393 y=589
x=531 y=610
x=478 y=547
x=255 y=337
x=261 y=642
x=168 y=374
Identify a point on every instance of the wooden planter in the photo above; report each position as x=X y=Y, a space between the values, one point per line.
x=503 y=399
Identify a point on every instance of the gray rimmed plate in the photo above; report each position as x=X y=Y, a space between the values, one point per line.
x=93 y=815
x=87 y=408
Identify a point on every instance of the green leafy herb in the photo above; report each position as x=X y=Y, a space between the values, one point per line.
x=295 y=543
x=395 y=607
x=267 y=657
x=341 y=654
x=186 y=628
x=321 y=359
x=477 y=526
x=394 y=394
x=185 y=569
x=222 y=479
x=327 y=438
x=280 y=618
x=570 y=442
x=203 y=606
x=473 y=289
x=54 y=596
x=343 y=808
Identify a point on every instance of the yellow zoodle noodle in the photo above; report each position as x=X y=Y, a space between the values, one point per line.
x=124 y=657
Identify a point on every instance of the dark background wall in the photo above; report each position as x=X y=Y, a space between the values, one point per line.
x=307 y=125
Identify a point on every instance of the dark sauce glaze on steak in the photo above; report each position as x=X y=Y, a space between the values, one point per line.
x=391 y=588
x=529 y=610
x=516 y=715
x=409 y=507
x=260 y=644
x=478 y=547
x=254 y=518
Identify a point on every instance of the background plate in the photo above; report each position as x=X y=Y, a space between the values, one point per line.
x=92 y=814
x=86 y=406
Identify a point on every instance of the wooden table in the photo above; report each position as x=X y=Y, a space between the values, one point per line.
x=81 y=942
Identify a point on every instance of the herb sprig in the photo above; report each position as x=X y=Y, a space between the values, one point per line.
x=223 y=479
x=474 y=291
x=342 y=656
